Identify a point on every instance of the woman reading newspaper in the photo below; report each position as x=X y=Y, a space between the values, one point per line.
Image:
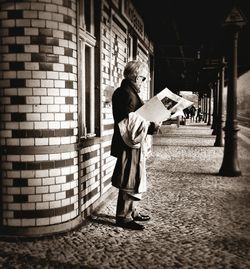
x=129 y=146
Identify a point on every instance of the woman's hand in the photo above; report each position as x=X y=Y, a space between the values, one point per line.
x=157 y=126
x=154 y=127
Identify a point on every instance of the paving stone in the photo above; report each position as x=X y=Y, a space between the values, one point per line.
x=198 y=218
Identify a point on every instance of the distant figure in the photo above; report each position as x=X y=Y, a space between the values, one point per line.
x=192 y=113
x=186 y=112
x=199 y=114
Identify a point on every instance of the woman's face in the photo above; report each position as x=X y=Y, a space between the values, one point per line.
x=142 y=76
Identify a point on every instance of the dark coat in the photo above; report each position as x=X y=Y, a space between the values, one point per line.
x=125 y=99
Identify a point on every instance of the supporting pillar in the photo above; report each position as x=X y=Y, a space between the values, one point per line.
x=230 y=164
x=178 y=121
x=219 y=134
x=202 y=107
x=209 y=105
x=198 y=105
x=215 y=109
x=38 y=118
x=205 y=107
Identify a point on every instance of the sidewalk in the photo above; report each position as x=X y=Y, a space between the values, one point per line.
x=198 y=219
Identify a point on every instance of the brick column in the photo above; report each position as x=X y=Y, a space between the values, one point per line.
x=38 y=70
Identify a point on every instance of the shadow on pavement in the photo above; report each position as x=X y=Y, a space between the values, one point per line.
x=103 y=219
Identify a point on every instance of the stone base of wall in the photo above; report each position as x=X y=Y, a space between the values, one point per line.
x=34 y=232
x=39 y=231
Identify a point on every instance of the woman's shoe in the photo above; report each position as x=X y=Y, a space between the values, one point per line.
x=141 y=217
x=132 y=225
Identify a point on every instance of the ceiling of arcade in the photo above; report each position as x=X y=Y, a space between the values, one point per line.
x=190 y=40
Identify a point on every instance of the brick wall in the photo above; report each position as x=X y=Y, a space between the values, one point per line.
x=114 y=54
x=50 y=179
x=113 y=60
x=38 y=112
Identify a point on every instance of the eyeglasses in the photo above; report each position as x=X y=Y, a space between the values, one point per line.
x=142 y=78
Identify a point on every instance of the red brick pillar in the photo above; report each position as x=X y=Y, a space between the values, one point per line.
x=39 y=169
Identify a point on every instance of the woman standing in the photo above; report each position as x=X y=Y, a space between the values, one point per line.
x=129 y=173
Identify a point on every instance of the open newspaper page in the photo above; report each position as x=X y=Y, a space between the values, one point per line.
x=163 y=106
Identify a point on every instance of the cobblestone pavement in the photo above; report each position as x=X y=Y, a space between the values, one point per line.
x=198 y=218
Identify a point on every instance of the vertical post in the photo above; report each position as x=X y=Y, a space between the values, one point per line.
x=205 y=107
x=215 y=115
x=178 y=121
x=214 y=107
x=230 y=165
x=202 y=106
x=1 y=194
x=219 y=134
x=198 y=105
x=209 y=105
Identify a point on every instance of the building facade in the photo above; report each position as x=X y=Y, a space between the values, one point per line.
x=61 y=60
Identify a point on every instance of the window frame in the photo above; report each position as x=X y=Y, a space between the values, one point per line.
x=82 y=22
x=86 y=40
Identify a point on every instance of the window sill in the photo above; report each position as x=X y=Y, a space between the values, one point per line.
x=88 y=136
x=90 y=141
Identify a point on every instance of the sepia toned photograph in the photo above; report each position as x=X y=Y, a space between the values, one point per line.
x=124 y=134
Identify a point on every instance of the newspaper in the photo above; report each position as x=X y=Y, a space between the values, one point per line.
x=163 y=106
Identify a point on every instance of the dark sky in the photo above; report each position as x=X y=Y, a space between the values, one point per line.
x=194 y=19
